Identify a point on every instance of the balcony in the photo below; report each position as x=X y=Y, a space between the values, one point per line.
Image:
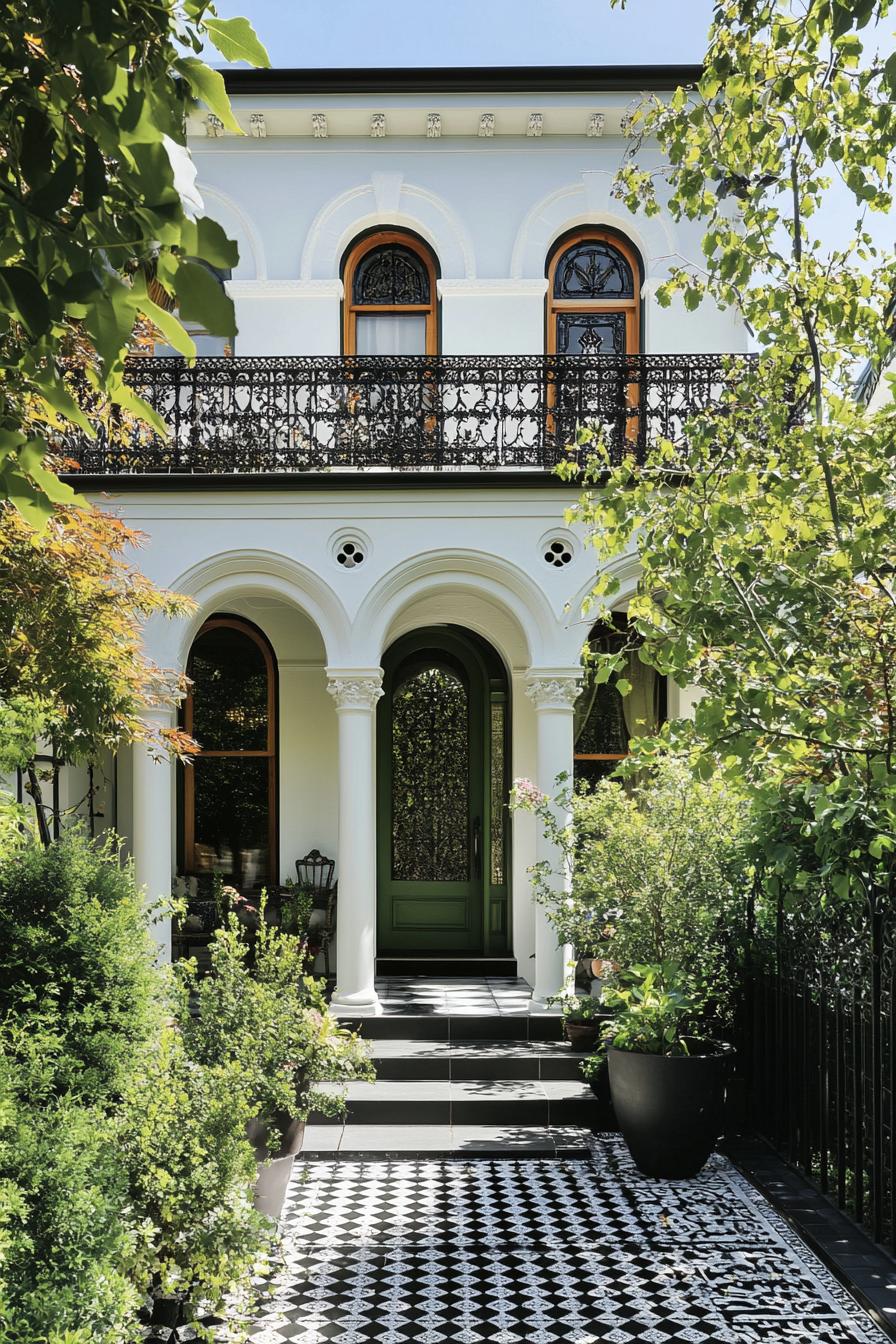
x=282 y=417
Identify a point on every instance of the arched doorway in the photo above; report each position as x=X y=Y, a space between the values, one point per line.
x=442 y=783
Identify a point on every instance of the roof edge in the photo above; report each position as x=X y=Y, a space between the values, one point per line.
x=464 y=79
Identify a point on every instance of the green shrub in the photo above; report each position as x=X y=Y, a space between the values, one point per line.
x=660 y=874
x=68 y=1251
x=191 y=1172
x=77 y=961
x=259 y=1011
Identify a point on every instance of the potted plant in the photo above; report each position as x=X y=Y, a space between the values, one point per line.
x=583 y=1018
x=667 y=1080
x=260 y=1010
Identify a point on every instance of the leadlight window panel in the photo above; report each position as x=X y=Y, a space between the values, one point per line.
x=431 y=777
x=591 y=333
x=230 y=695
x=498 y=798
x=593 y=269
x=391 y=276
x=231 y=818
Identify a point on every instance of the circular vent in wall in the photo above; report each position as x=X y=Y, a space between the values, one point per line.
x=557 y=551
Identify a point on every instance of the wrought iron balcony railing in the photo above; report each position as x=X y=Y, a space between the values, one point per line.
x=276 y=415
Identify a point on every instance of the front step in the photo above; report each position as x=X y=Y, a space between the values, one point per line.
x=462 y=1070
x=505 y=1101
x=421 y=968
x=437 y=1026
x=465 y=1060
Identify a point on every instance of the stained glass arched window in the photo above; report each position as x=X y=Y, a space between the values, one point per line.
x=230 y=787
x=390 y=293
x=594 y=285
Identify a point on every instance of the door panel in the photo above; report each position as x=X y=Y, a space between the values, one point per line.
x=432 y=776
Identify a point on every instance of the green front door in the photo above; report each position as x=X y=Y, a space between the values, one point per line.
x=435 y=803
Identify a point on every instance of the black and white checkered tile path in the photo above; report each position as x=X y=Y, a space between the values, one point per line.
x=537 y=1251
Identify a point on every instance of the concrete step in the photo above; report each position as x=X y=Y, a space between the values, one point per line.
x=438 y=1026
x=510 y=1101
x=352 y=1142
x=462 y=1061
x=416 y=968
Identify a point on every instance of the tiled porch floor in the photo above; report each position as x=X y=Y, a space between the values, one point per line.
x=537 y=1251
x=483 y=996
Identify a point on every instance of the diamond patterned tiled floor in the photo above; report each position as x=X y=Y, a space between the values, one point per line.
x=537 y=1251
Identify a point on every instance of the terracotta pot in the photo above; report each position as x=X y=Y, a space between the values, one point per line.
x=274 y=1166
x=583 y=1036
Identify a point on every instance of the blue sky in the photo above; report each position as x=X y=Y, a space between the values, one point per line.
x=476 y=32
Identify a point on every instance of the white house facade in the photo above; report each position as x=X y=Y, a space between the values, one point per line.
x=435 y=286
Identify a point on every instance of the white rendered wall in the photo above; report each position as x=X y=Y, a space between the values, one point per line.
x=490 y=209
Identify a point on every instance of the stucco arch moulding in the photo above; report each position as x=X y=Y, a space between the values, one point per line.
x=239 y=574
x=237 y=224
x=454 y=574
x=582 y=204
x=372 y=205
x=626 y=569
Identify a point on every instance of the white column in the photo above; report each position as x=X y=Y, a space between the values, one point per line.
x=152 y=825
x=356 y=691
x=553 y=693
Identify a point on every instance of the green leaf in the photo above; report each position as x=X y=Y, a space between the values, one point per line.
x=49 y=199
x=201 y=299
x=236 y=40
x=208 y=84
x=25 y=298
x=167 y=324
x=213 y=245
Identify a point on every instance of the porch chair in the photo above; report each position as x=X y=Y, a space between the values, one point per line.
x=314 y=874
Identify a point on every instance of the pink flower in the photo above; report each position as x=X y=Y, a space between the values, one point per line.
x=527 y=794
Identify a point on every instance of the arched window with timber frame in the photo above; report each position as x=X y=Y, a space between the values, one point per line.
x=389 y=279
x=594 y=295
x=230 y=788
x=604 y=720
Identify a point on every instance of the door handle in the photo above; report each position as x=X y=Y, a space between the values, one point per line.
x=477 y=847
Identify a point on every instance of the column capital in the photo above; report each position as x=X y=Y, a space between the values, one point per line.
x=161 y=716
x=356 y=687
x=553 y=688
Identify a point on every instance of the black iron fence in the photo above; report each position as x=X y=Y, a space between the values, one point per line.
x=317 y=413
x=820 y=1046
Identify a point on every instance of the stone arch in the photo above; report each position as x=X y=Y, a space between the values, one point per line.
x=232 y=218
x=627 y=570
x=235 y=574
x=468 y=588
x=386 y=201
x=583 y=203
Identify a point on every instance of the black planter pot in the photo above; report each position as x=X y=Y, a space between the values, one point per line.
x=274 y=1165
x=670 y=1107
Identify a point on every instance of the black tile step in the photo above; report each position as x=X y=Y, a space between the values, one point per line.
x=470 y=1102
x=420 y=968
x=470 y=1060
x=440 y=1026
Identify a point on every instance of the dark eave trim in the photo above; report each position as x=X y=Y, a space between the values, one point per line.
x=466 y=79
x=298 y=482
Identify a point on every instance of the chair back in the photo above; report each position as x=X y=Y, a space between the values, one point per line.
x=315 y=874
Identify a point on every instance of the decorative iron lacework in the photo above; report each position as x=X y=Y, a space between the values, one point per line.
x=430 y=778
x=287 y=414
x=593 y=270
x=390 y=275
x=498 y=798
